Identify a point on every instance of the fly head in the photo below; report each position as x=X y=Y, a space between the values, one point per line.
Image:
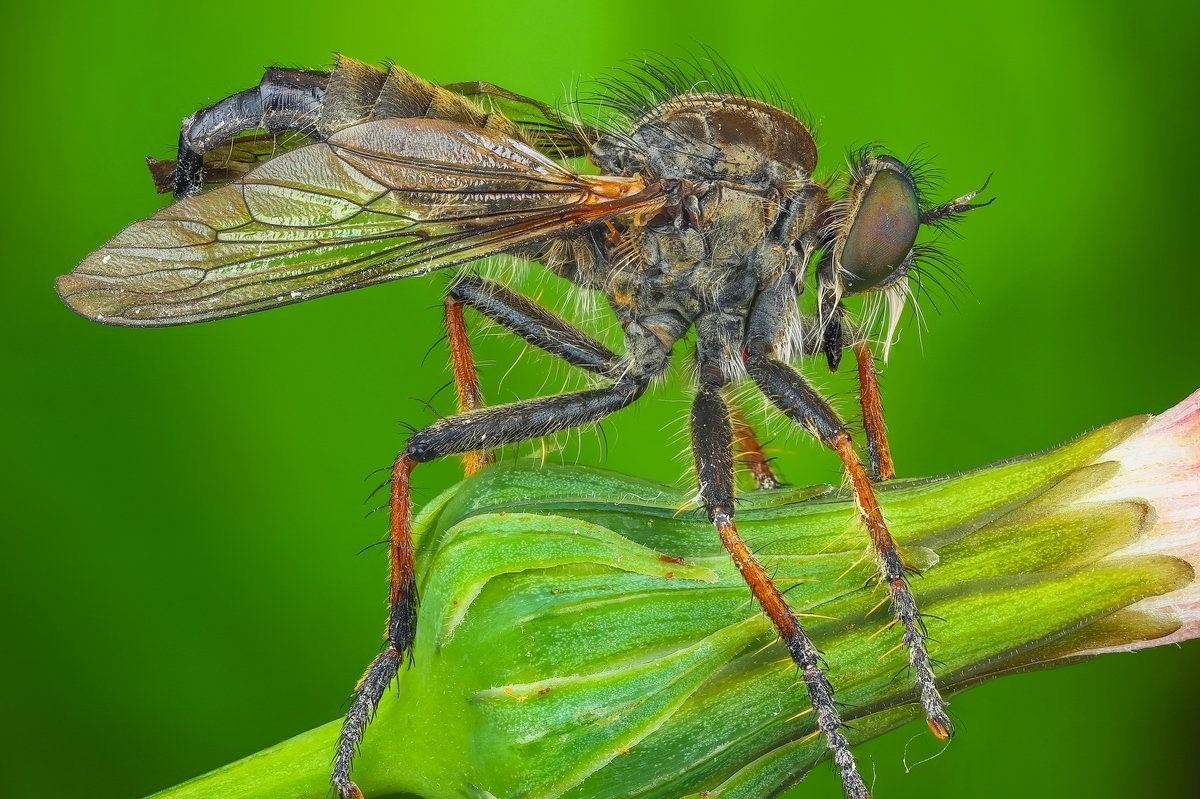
x=870 y=238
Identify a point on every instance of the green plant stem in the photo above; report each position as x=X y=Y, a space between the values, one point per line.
x=565 y=650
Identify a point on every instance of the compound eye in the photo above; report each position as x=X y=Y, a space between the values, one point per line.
x=883 y=232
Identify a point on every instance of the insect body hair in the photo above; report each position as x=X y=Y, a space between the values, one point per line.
x=623 y=95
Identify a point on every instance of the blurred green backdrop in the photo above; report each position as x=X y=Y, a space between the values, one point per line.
x=184 y=508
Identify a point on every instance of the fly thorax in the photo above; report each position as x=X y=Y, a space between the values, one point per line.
x=712 y=137
x=700 y=256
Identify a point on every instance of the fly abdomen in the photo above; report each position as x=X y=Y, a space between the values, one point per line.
x=359 y=92
x=317 y=105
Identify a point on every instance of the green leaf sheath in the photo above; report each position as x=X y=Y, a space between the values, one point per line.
x=582 y=637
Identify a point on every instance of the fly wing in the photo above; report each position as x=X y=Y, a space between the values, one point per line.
x=378 y=201
x=547 y=128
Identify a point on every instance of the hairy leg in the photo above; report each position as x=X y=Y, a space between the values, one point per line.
x=712 y=446
x=466 y=432
x=789 y=391
x=750 y=451
x=838 y=334
x=520 y=315
x=466 y=377
x=538 y=326
x=879 y=453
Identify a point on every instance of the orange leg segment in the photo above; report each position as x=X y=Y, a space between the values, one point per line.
x=712 y=447
x=878 y=451
x=466 y=377
x=750 y=451
x=904 y=605
x=792 y=394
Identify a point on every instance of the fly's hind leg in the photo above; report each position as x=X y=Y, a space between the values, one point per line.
x=712 y=446
x=466 y=377
x=522 y=316
x=455 y=435
x=476 y=430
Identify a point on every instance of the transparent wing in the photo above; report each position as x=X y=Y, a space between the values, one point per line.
x=378 y=201
x=547 y=128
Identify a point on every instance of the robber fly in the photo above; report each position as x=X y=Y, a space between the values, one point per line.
x=705 y=213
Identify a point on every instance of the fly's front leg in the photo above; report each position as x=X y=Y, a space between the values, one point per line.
x=712 y=446
x=285 y=100
x=838 y=334
x=879 y=453
x=789 y=392
x=467 y=432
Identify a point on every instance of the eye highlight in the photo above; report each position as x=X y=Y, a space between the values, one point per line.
x=881 y=228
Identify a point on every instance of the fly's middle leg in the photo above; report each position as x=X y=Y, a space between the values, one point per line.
x=712 y=446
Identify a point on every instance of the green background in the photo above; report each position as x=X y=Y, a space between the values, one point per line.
x=184 y=509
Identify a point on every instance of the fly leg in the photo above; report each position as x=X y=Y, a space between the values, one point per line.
x=466 y=377
x=522 y=316
x=789 y=392
x=720 y=335
x=836 y=336
x=879 y=453
x=473 y=431
x=750 y=450
x=535 y=324
x=712 y=446
x=285 y=100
